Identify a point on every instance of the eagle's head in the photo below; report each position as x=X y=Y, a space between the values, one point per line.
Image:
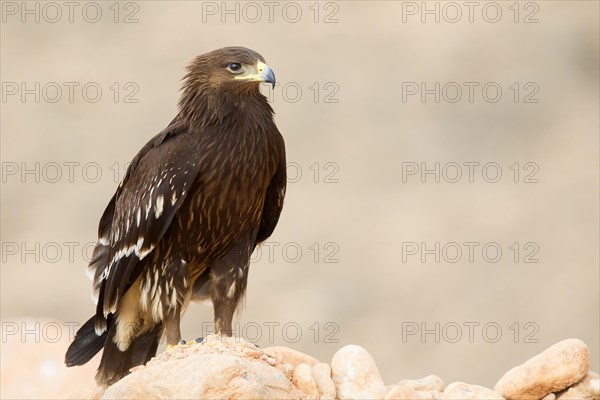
x=223 y=81
x=232 y=67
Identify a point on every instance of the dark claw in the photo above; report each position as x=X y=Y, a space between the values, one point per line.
x=182 y=342
x=199 y=340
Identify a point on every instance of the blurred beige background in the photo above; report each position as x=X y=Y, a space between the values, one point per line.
x=351 y=126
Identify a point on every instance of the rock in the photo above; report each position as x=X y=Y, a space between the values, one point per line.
x=427 y=388
x=388 y=389
x=582 y=390
x=285 y=355
x=595 y=389
x=555 y=369
x=573 y=394
x=550 y=396
x=213 y=369
x=322 y=375
x=465 y=391
x=430 y=382
x=355 y=374
x=403 y=392
x=303 y=380
x=288 y=370
x=430 y=394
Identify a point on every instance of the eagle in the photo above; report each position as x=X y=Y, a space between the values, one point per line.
x=184 y=221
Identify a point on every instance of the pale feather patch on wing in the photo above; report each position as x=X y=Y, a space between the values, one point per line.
x=158 y=208
x=97 y=266
x=148 y=208
x=136 y=249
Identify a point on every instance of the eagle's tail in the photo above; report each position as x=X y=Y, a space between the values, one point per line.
x=115 y=364
x=86 y=344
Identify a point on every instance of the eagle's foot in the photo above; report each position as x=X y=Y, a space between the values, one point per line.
x=171 y=346
x=185 y=343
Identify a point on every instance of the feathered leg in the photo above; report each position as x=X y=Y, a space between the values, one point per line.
x=229 y=276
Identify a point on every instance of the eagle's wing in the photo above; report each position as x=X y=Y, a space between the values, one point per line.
x=274 y=197
x=140 y=212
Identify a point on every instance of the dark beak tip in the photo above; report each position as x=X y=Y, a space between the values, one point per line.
x=270 y=77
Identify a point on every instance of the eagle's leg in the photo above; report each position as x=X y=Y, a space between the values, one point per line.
x=226 y=292
x=172 y=301
x=172 y=328
x=229 y=276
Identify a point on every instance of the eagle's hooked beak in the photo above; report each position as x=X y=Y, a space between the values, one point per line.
x=259 y=73
x=265 y=73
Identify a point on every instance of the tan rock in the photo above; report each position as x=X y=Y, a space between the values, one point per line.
x=217 y=369
x=303 y=380
x=287 y=369
x=430 y=382
x=430 y=394
x=582 y=390
x=573 y=393
x=355 y=374
x=595 y=389
x=465 y=391
x=555 y=369
x=285 y=355
x=322 y=375
x=550 y=396
x=402 y=392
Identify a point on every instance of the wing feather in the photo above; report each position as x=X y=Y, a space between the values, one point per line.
x=140 y=212
x=274 y=197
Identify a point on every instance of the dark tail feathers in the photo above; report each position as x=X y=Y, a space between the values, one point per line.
x=86 y=344
x=115 y=364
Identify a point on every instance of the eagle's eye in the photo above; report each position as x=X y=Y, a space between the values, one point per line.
x=234 y=67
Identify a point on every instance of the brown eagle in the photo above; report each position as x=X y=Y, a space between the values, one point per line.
x=183 y=223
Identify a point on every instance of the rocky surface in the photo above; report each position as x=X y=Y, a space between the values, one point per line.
x=430 y=382
x=429 y=387
x=586 y=389
x=235 y=369
x=560 y=366
x=402 y=392
x=285 y=355
x=322 y=375
x=303 y=379
x=465 y=391
x=355 y=374
x=216 y=368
